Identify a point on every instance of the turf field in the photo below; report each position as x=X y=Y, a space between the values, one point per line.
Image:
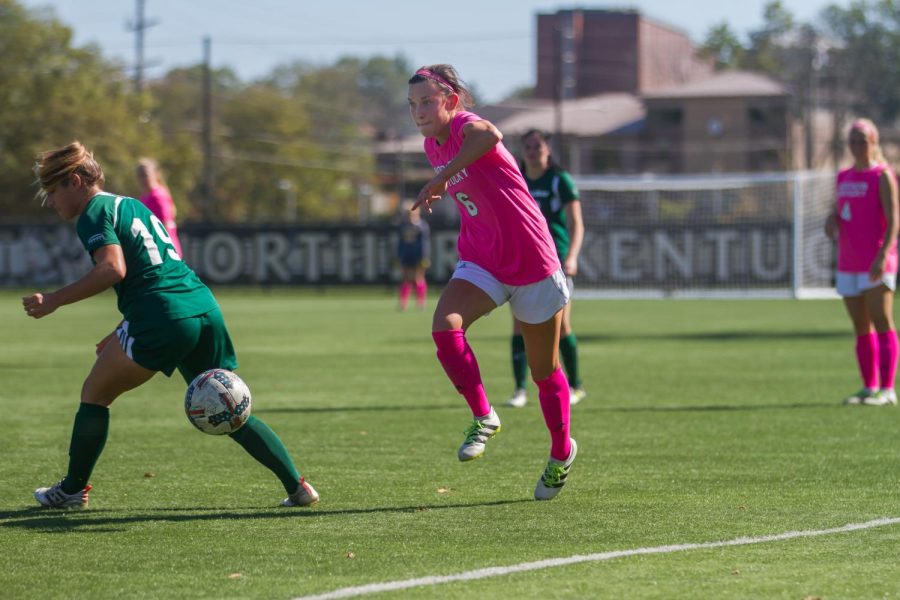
x=707 y=421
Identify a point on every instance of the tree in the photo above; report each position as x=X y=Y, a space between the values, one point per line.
x=867 y=62
x=723 y=46
x=52 y=93
x=771 y=45
x=306 y=130
x=177 y=111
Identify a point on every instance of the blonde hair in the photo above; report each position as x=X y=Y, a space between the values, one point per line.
x=54 y=167
x=146 y=166
x=868 y=128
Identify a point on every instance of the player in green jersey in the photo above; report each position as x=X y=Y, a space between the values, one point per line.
x=170 y=320
x=556 y=194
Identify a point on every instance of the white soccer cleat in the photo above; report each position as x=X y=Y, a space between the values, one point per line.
x=306 y=495
x=55 y=497
x=860 y=397
x=477 y=435
x=576 y=395
x=881 y=398
x=554 y=477
x=519 y=399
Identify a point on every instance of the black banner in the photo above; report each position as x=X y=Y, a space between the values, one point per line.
x=652 y=257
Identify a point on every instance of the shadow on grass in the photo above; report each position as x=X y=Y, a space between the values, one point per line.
x=712 y=407
x=720 y=336
x=692 y=336
x=106 y=520
x=329 y=409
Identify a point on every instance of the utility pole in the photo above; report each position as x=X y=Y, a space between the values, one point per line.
x=565 y=74
x=138 y=26
x=207 y=129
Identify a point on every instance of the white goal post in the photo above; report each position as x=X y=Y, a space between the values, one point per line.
x=738 y=235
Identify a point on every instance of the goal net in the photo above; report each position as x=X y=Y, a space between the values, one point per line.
x=744 y=235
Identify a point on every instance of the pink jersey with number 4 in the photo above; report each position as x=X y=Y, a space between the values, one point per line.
x=861 y=220
x=501 y=228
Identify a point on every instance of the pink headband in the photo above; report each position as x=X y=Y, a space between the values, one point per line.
x=866 y=129
x=428 y=74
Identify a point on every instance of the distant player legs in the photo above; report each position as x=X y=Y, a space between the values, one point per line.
x=413 y=276
x=880 y=304
x=421 y=286
x=408 y=279
x=876 y=346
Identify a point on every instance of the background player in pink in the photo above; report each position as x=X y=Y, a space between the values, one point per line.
x=506 y=255
x=155 y=196
x=413 y=254
x=865 y=223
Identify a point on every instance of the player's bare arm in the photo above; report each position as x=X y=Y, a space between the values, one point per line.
x=576 y=235
x=478 y=139
x=887 y=192
x=108 y=270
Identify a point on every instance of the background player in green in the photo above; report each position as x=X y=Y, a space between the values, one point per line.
x=171 y=320
x=555 y=192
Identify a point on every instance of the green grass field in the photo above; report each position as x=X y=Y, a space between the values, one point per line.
x=707 y=421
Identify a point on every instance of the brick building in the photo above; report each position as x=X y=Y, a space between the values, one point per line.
x=585 y=52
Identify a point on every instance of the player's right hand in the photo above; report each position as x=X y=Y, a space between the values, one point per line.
x=38 y=305
x=430 y=192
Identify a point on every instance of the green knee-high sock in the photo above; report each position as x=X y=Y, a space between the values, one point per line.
x=519 y=361
x=568 y=348
x=88 y=438
x=261 y=442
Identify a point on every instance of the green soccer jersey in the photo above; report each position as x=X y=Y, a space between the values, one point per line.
x=158 y=286
x=552 y=191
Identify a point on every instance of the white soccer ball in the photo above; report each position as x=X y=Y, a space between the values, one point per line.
x=217 y=402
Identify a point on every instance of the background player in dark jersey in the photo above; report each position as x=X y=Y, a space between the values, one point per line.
x=170 y=320
x=413 y=252
x=556 y=194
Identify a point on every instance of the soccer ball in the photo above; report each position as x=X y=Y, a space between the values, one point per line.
x=217 y=402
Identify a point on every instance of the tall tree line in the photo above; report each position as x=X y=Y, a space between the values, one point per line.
x=303 y=135
x=848 y=60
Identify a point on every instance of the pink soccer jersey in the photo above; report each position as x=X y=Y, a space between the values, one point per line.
x=861 y=220
x=160 y=203
x=501 y=229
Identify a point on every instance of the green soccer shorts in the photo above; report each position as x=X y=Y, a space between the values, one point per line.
x=191 y=345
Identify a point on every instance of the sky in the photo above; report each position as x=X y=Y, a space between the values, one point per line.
x=490 y=42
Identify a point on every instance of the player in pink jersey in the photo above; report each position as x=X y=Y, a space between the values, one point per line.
x=865 y=224
x=506 y=254
x=157 y=198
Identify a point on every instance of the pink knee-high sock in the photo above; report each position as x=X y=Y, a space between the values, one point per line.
x=405 y=289
x=867 y=357
x=459 y=363
x=554 y=395
x=887 y=357
x=421 y=292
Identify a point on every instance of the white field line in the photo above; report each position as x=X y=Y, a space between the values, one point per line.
x=390 y=586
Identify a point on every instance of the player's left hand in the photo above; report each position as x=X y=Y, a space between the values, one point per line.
x=39 y=305
x=570 y=267
x=876 y=271
x=430 y=193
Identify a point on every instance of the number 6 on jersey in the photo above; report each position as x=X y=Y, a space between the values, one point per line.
x=463 y=199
